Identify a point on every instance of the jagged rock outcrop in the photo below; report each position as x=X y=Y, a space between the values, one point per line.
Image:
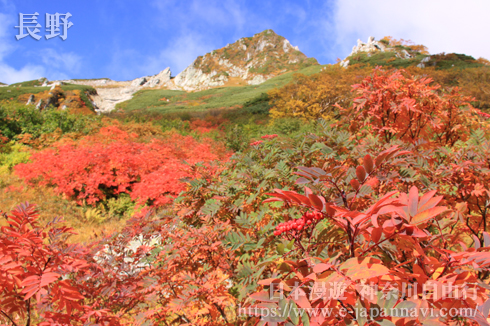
x=30 y=100
x=250 y=60
x=372 y=47
x=162 y=78
x=423 y=62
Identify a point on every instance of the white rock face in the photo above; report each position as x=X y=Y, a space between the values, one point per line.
x=138 y=82
x=258 y=79
x=160 y=79
x=371 y=46
x=110 y=92
x=191 y=78
x=344 y=63
x=30 y=100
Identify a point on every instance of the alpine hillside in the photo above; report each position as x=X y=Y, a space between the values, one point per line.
x=250 y=60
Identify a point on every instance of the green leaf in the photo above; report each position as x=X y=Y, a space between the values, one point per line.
x=280 y=249
x=361 y=319
x=305 y=319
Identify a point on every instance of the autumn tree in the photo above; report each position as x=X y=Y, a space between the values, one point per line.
x=415 y=47
x=38 y=272
x=102 y=166
x=314 y=97
x=399 y=106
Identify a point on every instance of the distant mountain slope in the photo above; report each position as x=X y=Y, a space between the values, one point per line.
x=74 y=98
x=385 y=53
x=36 y=82
x=175 y=101
x=250 y=60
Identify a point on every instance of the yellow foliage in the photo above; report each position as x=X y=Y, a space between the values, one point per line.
x=474 y=82
x=483 y=61
x=415 y=47
x=314 y=97
x=94 y=216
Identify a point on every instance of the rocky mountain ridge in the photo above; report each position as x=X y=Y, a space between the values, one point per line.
x=248 y=61
x=373 y=47
x=402 y=54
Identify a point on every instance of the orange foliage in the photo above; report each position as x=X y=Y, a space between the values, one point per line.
x=397 y=106
x=113 y=161
x=415 y=47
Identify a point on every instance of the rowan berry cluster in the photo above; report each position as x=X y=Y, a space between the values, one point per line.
x=269 y=136
x=299 y=224
x=482 y=114
x=255 y=143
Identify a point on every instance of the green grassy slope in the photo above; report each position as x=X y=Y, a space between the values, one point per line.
x=150 y=100
x=439 y=61
x=30 y=83
x=10 y=92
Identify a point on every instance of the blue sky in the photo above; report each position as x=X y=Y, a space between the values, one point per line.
x=126 y=39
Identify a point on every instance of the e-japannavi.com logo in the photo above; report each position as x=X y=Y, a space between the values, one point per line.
x=388 y=302
x=56 y=25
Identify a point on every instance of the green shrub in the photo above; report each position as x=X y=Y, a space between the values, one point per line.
x=121 y=206
x=181 y=125
x=17 y=119
x=257 y=105
x=235 y=139
x=287 y=126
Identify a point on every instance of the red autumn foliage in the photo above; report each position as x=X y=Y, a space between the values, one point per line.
x=392 y=238
x=398 y=106
x=396 y=251
x=36 y=273
x=388 y=245
x=269 y=136
x=113 y=162
x=256 y=143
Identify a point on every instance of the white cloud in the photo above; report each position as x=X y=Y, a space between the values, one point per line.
x=441 y=25
x=65 y=61
x=55 y=64
x=11 y=75
x=182 y=52
x=198 y=27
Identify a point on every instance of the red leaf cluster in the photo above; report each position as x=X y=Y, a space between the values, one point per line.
x=398 y=106
x=113 y=162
